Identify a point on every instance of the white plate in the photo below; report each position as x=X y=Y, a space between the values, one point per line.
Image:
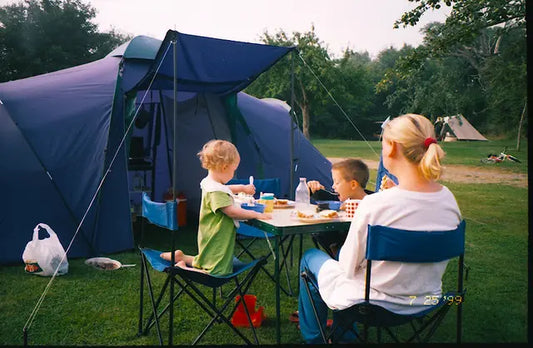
x=316 y=219
x=105 y=263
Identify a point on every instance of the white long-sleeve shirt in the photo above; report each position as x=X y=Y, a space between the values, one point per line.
x=407 y=287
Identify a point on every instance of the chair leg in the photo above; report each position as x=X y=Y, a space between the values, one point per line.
x=459 y=323
x=141 y=298
x=284 y=264
x=154 y=305
x=305 y=276
x=300 y=255
x=246 y=311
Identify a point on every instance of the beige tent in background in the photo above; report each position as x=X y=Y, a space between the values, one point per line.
x=457 y=127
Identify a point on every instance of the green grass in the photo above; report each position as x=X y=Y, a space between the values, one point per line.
x=92 y=307
x=457 y=153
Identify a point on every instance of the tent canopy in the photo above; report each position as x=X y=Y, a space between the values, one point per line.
x=210 y=65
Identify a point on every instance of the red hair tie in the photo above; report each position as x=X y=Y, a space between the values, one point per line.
x=429 y=141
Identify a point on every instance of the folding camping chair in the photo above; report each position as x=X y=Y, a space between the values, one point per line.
x=188 y=281
x=391 y=244
x=248 y=235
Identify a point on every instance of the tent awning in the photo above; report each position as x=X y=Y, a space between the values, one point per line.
x=210 y=65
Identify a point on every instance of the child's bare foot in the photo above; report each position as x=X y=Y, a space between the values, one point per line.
x=183 y=265
x=178 y=256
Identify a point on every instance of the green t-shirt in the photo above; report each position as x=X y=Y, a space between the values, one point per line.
x=216 y=235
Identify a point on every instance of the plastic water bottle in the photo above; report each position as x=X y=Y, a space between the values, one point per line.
x=301 y=197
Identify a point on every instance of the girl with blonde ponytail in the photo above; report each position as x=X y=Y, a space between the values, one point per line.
x=418 y=203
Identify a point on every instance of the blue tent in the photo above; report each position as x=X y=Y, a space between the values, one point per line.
x=61 y=133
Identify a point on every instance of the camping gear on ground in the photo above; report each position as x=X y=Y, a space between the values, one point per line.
x=57 y=160
x=106 y=263
x=182 y=205
x=239 y=318
x=493 y=158
x=43 y=256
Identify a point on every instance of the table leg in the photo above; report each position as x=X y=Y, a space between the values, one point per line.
x=276 y=277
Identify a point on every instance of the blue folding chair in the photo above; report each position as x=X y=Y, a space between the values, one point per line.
x=164 y=215
x=247 y=235
x=391 y=244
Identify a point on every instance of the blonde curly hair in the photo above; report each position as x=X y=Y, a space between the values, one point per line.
x=416 y=134
x=218 y=154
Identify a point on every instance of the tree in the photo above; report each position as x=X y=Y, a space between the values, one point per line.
x=311 y=64
x=40 y=36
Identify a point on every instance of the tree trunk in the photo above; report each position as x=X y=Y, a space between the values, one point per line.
x=305 y=121
x=520 y=126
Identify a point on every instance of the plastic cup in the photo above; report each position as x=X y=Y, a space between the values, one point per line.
x=268 y=200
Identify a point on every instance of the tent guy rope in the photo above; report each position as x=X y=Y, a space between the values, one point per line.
x=335 y=101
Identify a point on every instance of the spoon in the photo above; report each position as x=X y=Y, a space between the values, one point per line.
x=251 y=183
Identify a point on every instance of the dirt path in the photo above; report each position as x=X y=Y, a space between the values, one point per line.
x=466 y=174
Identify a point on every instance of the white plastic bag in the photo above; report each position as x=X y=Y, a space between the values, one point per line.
x=42 y=256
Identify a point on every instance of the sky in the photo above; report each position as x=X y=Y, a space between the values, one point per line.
x=361 y=25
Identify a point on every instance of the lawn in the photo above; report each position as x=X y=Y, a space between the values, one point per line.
x=92 y=307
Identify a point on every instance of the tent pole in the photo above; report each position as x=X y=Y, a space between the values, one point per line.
x=291 y=174
x=165 y=120
x=174 y=174
x=175 y=119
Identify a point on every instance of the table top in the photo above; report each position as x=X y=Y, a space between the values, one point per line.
x=284 y=222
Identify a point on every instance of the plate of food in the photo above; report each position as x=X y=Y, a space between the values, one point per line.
x=323 y=216
x=283 y=204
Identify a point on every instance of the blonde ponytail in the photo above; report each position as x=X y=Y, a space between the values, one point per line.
x=416 y=134
x=429 y=165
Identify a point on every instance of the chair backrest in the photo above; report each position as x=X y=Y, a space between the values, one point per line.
x=160 y=214
x=270 y=185
x=392 y=244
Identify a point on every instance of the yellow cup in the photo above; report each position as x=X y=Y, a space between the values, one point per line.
x=268 y=200
x=269 y=204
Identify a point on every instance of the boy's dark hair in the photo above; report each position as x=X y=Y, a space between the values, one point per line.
x=353 y=169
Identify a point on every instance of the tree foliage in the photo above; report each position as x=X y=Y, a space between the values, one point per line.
x=310 y=65
x=330 y=95
x=474 y=63
x=39 y=36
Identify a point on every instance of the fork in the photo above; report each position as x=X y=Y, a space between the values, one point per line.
x=330 y=192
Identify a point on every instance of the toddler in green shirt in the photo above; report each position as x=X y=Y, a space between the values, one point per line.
x=218 y=214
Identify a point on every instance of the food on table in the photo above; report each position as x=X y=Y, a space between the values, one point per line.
x=245 y=198
x=328 y=214
x=281 y=201
x=305 y=214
